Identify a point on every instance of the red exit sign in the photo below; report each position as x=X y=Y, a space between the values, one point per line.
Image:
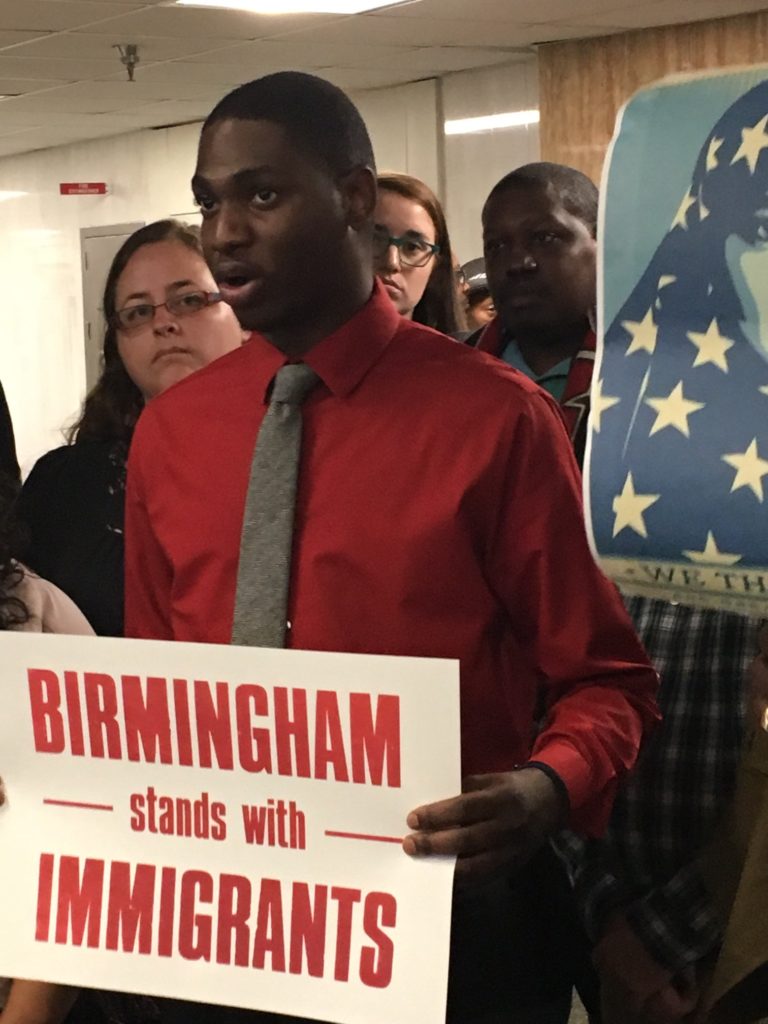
x=83 y=188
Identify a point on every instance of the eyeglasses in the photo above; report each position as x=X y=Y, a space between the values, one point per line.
x=130 y=318
x=412 y=250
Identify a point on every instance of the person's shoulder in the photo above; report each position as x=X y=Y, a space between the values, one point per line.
x=224 y=371
x=53 y=460
x=49 y=609
x=69 y=463
x=472 y=372
x=193 y=393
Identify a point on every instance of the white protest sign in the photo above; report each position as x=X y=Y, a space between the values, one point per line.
x=224 y=824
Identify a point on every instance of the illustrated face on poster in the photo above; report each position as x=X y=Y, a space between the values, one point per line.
x=678 y=461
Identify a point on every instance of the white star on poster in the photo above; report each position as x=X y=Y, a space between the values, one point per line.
x=703 y=211
x=681 y=217
x=753 y=141
x=711 y=555
x=643 y=334
x=750 y=469
x=629 y=508
x=712 y=346
x=714 y=146
x=600 y=404
x=673 y=411
x=764 y=389
x=664 y=281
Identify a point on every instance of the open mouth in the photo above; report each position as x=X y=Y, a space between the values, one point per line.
x=236 y=288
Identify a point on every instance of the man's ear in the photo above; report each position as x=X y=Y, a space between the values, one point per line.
x=358 y=192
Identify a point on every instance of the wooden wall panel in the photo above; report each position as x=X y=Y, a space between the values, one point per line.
x=584 y=83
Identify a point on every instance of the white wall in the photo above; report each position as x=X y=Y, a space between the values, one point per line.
x=474 y=163
x=405 y=129
x=41 y=343
x=42 y=365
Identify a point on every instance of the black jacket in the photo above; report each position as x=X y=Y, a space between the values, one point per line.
x=9 y=464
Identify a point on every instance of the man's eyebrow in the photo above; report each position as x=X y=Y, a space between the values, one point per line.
x=239 y=178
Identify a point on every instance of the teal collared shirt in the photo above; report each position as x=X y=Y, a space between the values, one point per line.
x=553 y=381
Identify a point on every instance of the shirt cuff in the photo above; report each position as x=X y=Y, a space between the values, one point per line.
x=676 y=922
x=562 y=790
x=570 y=767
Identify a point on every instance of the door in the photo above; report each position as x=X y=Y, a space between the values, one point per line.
x=98 y=247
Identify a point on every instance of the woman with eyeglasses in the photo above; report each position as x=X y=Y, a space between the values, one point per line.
x=412 y=253
x=164 y=321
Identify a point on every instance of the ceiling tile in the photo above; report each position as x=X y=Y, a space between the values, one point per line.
x=522 y=11
x=15 y=66
x=176 y=111
x=77 y=45
x=58 y=54
x=8 y=130
x=365 y=78
x=62 y=101
x=371 y=30
x=9 y=39
x=133 y=94
x=54 y=15
x=299 y=53
x=17 y=86
x=188 y=22
x=182 y=73
x=425 y=62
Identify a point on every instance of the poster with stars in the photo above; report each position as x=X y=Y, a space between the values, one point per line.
x=676 y=477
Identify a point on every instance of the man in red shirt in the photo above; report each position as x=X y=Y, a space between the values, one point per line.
x=438 y=515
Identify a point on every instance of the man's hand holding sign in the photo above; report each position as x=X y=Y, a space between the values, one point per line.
x=498 y=822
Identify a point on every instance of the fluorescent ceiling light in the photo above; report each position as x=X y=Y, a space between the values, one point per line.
x=294 y=6
x=493 y=122
x=11 y=195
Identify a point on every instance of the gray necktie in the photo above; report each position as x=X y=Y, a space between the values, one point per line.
x=261 y=599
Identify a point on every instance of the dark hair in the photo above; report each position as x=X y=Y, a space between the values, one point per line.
x=577 y=193
x=478 y=295
x=439 y=305
x=13 y=611
x=318 y=117
x=114 y=403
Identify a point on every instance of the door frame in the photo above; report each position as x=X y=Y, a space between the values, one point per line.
x=102 y=231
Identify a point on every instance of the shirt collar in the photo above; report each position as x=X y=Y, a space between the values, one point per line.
x=342 y=359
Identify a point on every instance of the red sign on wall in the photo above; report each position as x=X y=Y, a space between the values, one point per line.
x=83 y=188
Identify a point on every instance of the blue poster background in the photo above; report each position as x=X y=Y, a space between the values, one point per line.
x=677 y=468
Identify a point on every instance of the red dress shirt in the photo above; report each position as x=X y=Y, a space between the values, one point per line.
x=438 y=515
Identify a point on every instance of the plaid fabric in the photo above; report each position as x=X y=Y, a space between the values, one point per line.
x=670 y=805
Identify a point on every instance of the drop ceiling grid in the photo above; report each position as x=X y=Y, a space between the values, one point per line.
x=59 y=56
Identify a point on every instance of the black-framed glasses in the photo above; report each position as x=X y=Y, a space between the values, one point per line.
x=130 y=318
x=412 y=250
